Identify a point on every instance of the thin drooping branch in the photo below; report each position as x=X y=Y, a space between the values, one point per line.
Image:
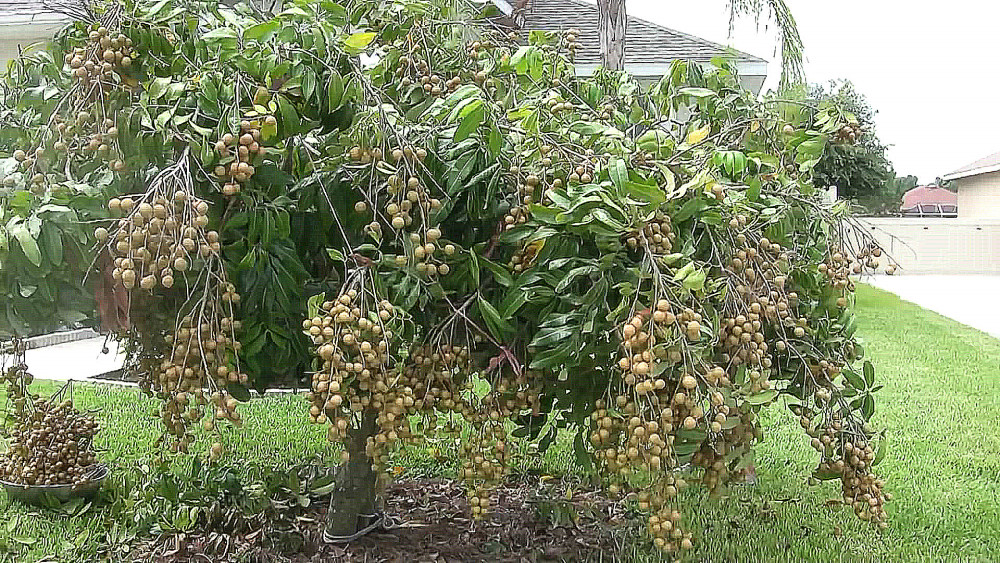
x=792 y=71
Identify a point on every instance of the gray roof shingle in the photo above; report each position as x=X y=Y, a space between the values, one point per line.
x=645 y=42
x=986 y=164
x=14 y=12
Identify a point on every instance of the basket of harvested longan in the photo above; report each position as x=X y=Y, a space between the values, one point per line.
x=49 y=454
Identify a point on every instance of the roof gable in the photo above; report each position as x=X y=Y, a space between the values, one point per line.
x=645 y=42
x=984 y=165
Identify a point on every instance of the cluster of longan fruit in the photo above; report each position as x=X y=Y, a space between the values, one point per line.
x=413 y=69
x=530 y=189
x=242 y=150
x=352 y=338
x=50 y=445
x=157 y=237
x=424 y=253
x=658 y=234
x=848 y=454
x=862 y=490
x=198 y=360
x=485 y=452
x=570 y=39
x=558 y=105
x=484 y=463
x=107 y=54
x=837 y=269
x=438 y=375
x=410 y=197
x=849 y=133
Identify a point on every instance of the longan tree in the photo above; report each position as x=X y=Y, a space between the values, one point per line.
x=461 y=236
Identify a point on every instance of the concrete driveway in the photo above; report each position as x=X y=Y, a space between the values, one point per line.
x=972 y=300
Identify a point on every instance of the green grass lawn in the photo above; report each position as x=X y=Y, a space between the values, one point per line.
x=940 y=406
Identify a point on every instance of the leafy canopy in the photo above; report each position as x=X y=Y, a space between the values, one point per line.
x=480 y=236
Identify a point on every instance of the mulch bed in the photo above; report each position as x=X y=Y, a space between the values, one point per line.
x=529 y=522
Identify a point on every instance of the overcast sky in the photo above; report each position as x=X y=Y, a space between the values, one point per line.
x=929 y=68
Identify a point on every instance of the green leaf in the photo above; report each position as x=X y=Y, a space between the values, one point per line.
x=25 y=540
x=583 y=457
x=618 y=172
x=28 y=244
x=335 y=91
x=853 y=379
x=289 y=117
x=879 y=451
x=697 y=92
x=239 y=392
x=358 y=42
x=498 y=327
x=335 y=255
x=869 y=372
x=157 y=88
x=262 y=31
x=313 y=304
x=219 y=34
x=763 y=397
x=472 y=120
x=695 y=281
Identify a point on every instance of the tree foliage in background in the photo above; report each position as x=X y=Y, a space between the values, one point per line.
x=44 y=241
x=858 y=165
x=455 y=234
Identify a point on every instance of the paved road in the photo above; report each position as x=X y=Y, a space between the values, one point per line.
x=973 y=300
x=77 y=360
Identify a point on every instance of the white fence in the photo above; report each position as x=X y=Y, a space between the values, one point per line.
x=923 y=245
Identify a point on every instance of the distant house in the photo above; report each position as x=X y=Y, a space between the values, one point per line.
x=27 y=22
x=649 y=47
x=23 y=23
x=978 y=185
x=930 y=201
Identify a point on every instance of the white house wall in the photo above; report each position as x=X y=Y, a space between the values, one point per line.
x=924 y=245
x=979 y=196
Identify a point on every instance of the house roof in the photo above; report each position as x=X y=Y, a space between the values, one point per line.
x=19 y=12
x=645 y=42
x=922 y=195
x=930 y=201
x=984 y=165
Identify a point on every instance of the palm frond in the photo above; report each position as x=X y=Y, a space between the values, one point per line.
x=80 y=10
x=777 y=11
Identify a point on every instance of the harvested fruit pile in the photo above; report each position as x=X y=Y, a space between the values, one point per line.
x=50 y=442
x=51 y=447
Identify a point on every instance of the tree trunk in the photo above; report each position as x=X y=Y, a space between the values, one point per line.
x=612 y=24
x=353 y=501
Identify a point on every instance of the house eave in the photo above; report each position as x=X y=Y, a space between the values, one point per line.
x=970 y=173
x=745 y=68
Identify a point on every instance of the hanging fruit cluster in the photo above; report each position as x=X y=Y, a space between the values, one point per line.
x=410 y=207
x=238 y=153
x=354 y=336
x=99 y=62
x=414 y=69
x=571 y=40
x=849 y=133
x=158 y=236
x=162 y=237
x=658 y=234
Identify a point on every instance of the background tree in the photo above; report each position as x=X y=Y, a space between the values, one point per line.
x=858 y=164
x=458 y=235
